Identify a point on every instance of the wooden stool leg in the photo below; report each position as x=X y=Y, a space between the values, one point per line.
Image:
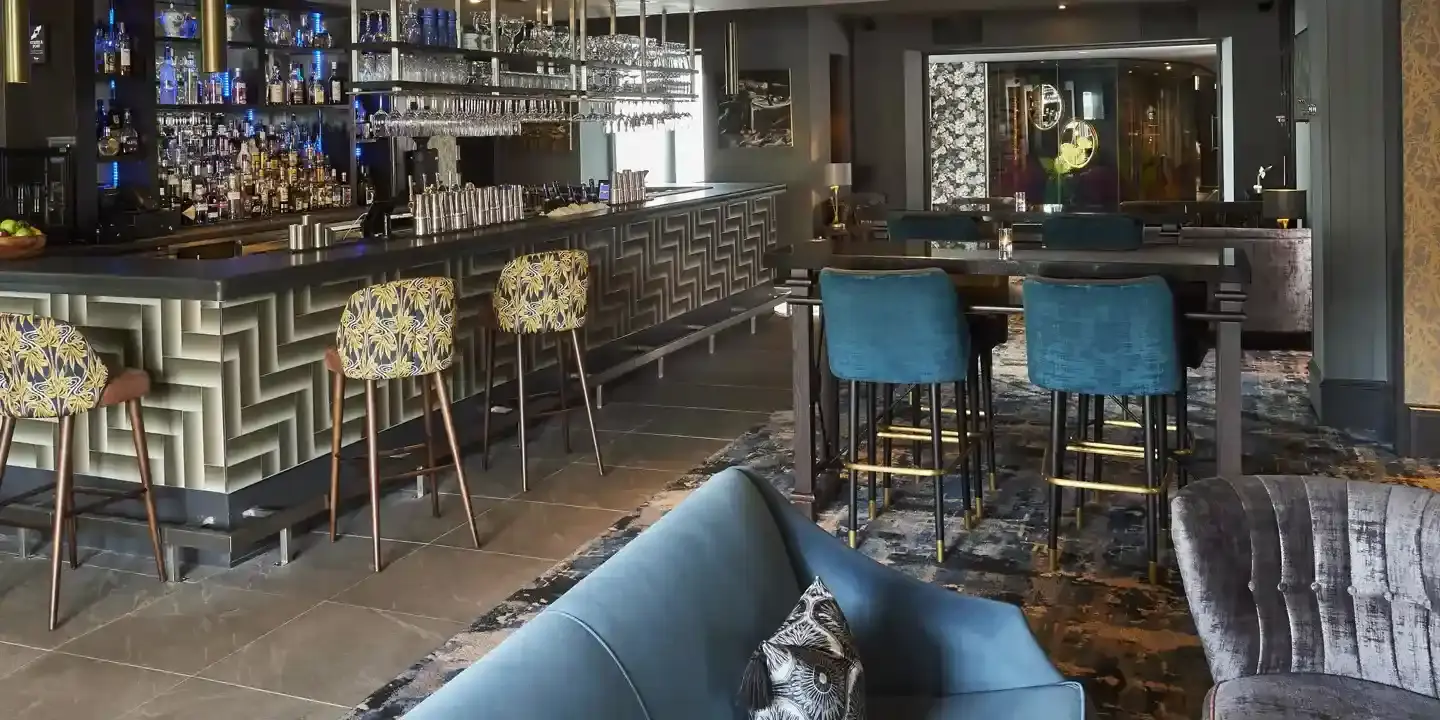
x=564 y=401
x=72 y=529
x=142 y=456
x=433 y=477
x=7 y=433
x=337 y=420
x=520 y=402
x=489 y=345
x=372 y=466
x=585 y=395
x=442 y=397
x=57 y=534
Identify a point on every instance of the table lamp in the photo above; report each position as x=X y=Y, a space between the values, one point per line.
x=836 y=176
x=1283 y=205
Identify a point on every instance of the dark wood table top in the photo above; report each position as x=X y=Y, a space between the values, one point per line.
x=1174 y=262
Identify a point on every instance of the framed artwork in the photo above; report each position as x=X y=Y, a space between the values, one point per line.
x=759 y=115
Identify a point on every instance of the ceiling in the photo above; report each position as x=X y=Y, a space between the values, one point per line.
x=599 y=8
x=1199 y=53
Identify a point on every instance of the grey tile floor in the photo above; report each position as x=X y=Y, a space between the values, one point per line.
x=310 y=639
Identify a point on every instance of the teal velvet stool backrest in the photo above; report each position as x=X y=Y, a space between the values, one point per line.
x=948 y=227
x=894 y=327
x=1101 y=337
x=1101 y=231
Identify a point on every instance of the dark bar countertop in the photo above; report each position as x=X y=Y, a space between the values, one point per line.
x=220 y=279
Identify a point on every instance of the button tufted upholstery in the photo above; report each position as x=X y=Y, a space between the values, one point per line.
x=1294 y=575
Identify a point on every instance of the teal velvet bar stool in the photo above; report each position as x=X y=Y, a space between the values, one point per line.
x=898 y=328
x=1122 y=232
x=1098 y=338
x=987 y=332
x=50 y=371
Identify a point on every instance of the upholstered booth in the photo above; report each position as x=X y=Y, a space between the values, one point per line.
x=1314 y=597
x=663 y=630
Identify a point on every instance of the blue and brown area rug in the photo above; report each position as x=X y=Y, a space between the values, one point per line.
x=1132 y=644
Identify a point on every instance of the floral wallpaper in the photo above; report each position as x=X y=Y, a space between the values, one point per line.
x=1420 y=89
x=958 y=131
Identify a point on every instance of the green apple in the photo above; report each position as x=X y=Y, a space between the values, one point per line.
x=9 y=226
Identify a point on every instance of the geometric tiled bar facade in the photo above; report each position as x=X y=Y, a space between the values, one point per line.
x=241 y=392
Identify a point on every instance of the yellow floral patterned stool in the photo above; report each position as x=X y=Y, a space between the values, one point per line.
x=541 y=293
x=390 y=331
x=48 y=370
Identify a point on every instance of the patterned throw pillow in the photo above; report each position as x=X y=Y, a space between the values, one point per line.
x=809 y=669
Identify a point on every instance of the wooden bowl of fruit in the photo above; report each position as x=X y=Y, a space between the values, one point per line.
x=19 y=241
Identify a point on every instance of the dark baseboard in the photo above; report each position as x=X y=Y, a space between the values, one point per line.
x=1363 y=408
x=1420 y=434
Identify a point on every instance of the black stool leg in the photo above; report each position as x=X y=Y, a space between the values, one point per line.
x=870 y=431
x=937 y=449
x=854 y=436
x=887 y=392
x=987 y=372
x=1099 y=435
x=1182 y=432
x=964 y=423
x=915 y=447
x=1058 y=403
x=977 y=471
x=1082 y=432
x=1162 y=462
x=1152 y=534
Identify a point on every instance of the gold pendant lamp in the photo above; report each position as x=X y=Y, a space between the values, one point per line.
x=17 y=41
x=212 y=36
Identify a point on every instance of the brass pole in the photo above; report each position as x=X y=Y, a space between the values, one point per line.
x=690 y=52
x=212 y=36
x=612 y=16
x=17 y=41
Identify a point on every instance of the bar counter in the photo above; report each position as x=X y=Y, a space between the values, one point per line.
x=234 y=346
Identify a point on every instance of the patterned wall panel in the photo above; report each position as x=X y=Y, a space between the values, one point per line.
x=1420 y=88
x=240 y=390
x=178 y=342
x=958 y=131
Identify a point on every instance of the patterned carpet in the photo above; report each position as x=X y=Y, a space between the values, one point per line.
x=1132 y=644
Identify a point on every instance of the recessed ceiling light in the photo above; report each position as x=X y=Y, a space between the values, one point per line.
x=1167 y=66
x=1062 y=6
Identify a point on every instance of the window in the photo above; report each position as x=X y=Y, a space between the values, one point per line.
x=671 y=156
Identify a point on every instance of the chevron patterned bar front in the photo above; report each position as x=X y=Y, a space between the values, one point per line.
x=241 y=393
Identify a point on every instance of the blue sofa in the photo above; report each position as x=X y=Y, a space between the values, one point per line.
x=662 y=631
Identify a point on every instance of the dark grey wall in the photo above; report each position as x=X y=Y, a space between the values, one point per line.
x=1354 y=346
x=880 y=59
x=802 y=40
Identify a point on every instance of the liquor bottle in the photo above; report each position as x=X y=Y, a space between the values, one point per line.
x=276 y=87
x=129 y=137
x=238 y=92
x=306 y=35
x=110 y=57
x=337 y=84
x=122 y=47
x=367 y=188
x=166 y=76
x=296 y=93
x=108 y=143
x=99 y=49
x=317 y=88
x=347 y=195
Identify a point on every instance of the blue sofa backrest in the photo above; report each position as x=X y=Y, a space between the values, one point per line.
x=662 y=631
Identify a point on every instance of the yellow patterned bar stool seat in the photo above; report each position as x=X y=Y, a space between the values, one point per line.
x=391 y=331
x=539 y=294
x=48 y=370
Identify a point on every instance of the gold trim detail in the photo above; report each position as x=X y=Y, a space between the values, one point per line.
x=1103 y=487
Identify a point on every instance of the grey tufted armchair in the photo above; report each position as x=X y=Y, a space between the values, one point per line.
x=1315 y=598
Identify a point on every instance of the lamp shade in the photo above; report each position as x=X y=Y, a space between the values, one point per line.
x=1283 y=204
x=837 y=174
